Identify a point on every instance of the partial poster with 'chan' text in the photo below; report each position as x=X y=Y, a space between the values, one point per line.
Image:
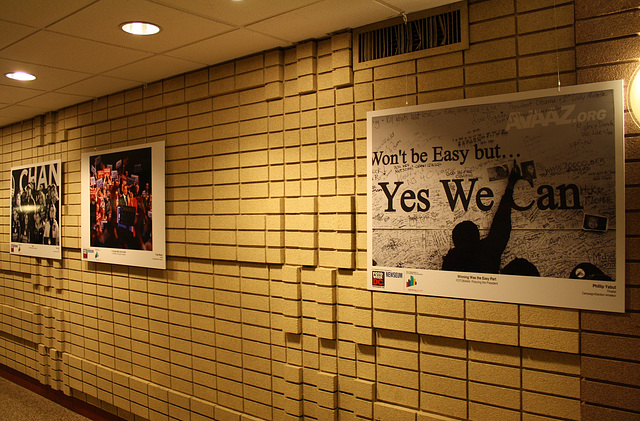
x=35 y=210
x=514 y=198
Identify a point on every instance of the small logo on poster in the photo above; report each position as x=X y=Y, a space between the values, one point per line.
x=377 y=278
x=411 y=282
x=84 y=253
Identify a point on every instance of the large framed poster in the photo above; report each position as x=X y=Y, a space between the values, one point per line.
x=35 y=210
x=513 y=198
x=123 y=215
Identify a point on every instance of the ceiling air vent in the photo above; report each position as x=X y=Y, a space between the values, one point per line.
x=435 y=31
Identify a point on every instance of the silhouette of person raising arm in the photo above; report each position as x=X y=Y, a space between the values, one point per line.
x=472 y=254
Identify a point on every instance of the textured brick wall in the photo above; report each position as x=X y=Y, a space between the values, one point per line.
x=263 y=310
x=607 y=48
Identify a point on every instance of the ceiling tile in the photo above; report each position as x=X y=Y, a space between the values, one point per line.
x=101 y=22
x=410 y=6
x=13 y=94
x=12 y=32
x=66 y=52
x=98 y=86
x=154 y=68
x=239 y=43
x=237 y=13
x=18 y=112
x=47 y=78
x=38 y=13
x=320 y=19
x=54 y=101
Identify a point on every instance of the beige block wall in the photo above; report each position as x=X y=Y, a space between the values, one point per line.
x=263 y=311
x=607 y=49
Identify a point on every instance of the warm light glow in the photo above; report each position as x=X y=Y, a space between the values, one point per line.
x=20 y=76
x=140 y=28
x=634 y=96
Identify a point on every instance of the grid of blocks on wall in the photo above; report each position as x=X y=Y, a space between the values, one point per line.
x=263 y=310
x=607 y=48
x=276 y=194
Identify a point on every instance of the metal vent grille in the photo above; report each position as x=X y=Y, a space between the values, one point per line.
x=439 y=32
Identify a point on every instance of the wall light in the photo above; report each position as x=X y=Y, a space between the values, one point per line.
x=22 y=76
x=634 y=96
x=140 y=28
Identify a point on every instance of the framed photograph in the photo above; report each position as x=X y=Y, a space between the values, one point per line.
x=514 y=198
x=35 y=210
x=123 y=209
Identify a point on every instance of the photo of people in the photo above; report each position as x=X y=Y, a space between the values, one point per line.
x=594 y=223
x=121 y=200
x=35 y=210
x=529 y=172
x=123 y=206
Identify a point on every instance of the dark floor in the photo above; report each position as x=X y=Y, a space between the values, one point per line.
x=20 y=404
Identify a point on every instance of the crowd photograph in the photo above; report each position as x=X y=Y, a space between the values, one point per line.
x=121 y=200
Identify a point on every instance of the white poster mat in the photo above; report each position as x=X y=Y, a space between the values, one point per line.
x=431 y=167
x=36 y=201
x=123 y=206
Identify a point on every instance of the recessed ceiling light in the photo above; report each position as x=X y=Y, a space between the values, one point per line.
x=20 y=76
x=140 y=28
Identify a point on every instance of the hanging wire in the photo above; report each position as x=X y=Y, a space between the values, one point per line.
x=555 y=24
x=406 y=75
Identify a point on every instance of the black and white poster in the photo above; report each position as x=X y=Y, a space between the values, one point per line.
x=123 y=215
x=515 y=198
x=35 y=210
